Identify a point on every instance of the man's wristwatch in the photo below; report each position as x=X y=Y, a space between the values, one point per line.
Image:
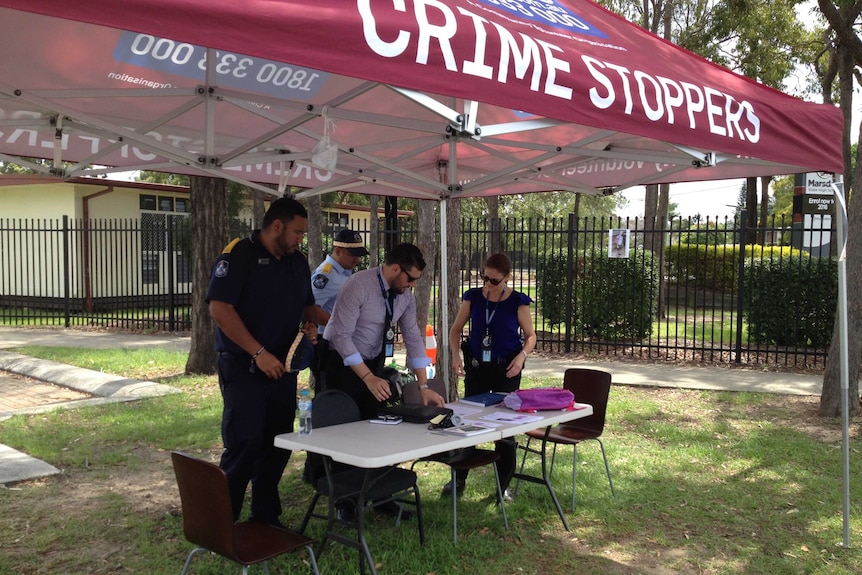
x=423 y=386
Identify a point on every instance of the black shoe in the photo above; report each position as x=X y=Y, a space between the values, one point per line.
x=447 y=489
x=394 y=509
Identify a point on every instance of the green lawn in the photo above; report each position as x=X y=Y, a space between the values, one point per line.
x=707 y=483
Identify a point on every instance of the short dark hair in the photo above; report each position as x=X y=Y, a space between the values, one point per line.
x=407 y=256
x=499 y=262
x=284 y=209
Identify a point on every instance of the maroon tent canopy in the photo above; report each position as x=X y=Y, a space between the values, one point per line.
x=492 y=96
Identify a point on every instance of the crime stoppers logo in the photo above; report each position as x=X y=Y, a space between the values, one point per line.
x=547 y=13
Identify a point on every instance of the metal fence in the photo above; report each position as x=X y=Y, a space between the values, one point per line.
x=604 y=286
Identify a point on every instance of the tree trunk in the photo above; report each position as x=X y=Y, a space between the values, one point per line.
x=764 y=208
x=751 y=210
x=495 y=241
x=650 y=206
x=208 y=199
x=453 y=268
x=849 y=55
x=659 y=243
x=428 y=240
x=258 y=209
x=315 y=231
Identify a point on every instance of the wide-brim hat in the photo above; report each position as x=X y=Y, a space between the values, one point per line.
x=351 y=241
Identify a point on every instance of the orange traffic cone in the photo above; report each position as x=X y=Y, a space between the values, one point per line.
x=430 y=343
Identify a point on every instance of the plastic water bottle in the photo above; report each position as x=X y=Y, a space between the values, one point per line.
x=304 y=405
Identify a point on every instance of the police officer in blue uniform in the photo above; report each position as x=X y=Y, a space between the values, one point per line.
x=327 y=279
x=259 y=293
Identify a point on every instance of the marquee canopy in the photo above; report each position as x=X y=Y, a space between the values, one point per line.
x=424 y=98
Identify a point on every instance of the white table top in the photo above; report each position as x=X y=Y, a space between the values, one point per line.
x=371 y=445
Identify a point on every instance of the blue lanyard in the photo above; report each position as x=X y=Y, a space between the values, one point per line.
x=385 y=293
x=490 y=317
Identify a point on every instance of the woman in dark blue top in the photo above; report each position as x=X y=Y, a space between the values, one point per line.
x=501 y=337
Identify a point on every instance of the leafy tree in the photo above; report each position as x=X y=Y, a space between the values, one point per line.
x=839 y=69
x=782 y=190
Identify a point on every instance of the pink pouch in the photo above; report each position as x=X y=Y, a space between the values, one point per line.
x=540 y=399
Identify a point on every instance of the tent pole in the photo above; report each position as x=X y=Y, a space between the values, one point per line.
x=443 y=299
x=841 y=228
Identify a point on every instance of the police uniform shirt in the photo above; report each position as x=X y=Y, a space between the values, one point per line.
x=326 y=281
x=268 y=294
x=357 y=327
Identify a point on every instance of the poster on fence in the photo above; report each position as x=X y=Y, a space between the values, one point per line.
x=618 y=243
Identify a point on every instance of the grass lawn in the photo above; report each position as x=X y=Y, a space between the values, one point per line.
x=707 y=483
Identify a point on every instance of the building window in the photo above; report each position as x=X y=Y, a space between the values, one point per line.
x=336 y=221
x=147 y=202
x=182 y=205
x=166 y=204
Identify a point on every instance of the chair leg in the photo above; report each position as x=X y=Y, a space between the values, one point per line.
x=265 y=567
x=574 y=473
x=607 y=468
x=313 y=559
x=188 y=562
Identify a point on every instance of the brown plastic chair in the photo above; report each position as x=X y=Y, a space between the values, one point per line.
x=461 y=459
x=590 y=386
x=208 y=520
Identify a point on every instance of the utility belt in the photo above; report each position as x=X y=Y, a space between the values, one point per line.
x=475 y=363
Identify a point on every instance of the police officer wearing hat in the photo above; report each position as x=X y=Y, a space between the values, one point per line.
x=330 y=275
x=327 y=279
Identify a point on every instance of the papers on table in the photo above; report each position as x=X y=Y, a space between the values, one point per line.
x=505 y=416
x=466 y=429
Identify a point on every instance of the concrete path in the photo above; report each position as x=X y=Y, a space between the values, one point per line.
x=16 y=466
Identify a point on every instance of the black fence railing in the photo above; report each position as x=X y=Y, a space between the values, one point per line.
x=603 y=286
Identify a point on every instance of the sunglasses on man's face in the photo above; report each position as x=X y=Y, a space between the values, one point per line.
x=410 y=279
x=492 y=281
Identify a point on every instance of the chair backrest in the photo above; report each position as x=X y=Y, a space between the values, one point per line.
x=331 y=407
x=207 y=512
x=410 y=393
x=592 y=386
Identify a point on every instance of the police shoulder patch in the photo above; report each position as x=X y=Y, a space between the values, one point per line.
x=319 y=281
x=228 y=248
x=221 y=268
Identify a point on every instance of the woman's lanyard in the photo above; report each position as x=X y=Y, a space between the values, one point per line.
x=389 y=302
x=489 y=317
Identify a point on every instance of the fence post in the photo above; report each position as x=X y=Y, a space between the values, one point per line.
x=740 y=283
x=172 y=262
x=66 y=304
x=572 y=234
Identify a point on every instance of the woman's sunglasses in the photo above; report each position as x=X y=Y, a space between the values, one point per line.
x=492 y=281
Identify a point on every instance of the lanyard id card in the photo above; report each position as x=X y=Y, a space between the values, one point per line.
x=486 y=348
x=389 y=342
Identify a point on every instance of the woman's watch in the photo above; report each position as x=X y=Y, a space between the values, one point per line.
x=422 y=386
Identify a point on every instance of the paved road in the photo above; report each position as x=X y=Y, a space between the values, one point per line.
x=16 y=466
